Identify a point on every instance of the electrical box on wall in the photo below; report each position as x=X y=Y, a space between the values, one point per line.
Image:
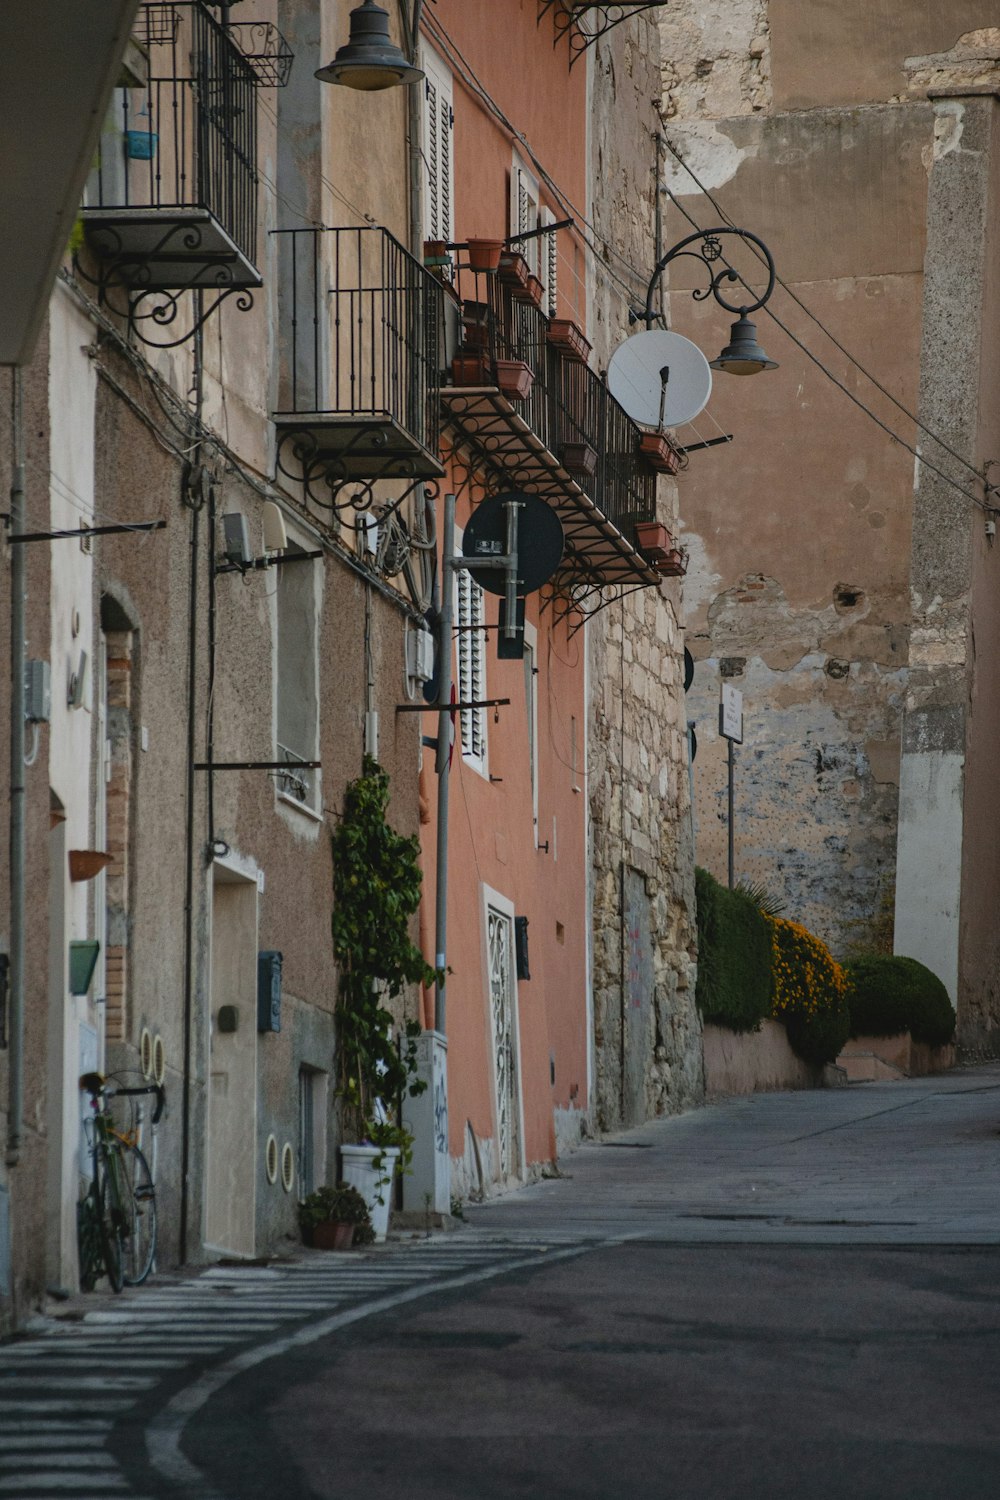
x=420 y=655
x=37 y=692
x=269 y=990
x=521 y=947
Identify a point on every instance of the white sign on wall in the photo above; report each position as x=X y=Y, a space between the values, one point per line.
x=731 y=714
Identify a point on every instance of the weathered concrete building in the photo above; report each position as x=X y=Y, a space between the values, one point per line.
x=841 y=583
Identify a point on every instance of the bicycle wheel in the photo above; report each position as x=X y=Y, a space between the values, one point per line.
x=139 y=1226
x=109 y=1219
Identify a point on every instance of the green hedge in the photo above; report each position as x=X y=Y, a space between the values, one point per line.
x=734 y=957
x=893 y=994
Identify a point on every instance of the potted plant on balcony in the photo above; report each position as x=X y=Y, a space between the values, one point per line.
x=335 y=1218
x=376 y=893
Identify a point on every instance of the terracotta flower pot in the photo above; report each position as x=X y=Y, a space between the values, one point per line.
x=513 y=270
x=653 y=538
x=469 y=369
x=534 y=291
x=659 y=452
x=578 y=458
x=674 y=565
x=514 y=378
x=85 y=864
x=564 y=334
x=333 y=1236
x=484 y=255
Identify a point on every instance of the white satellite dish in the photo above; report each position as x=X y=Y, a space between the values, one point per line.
x=660 y=378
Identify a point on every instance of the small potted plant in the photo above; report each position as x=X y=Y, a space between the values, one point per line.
x=334 y=1218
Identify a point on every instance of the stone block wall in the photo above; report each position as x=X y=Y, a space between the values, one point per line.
x=648 y=1034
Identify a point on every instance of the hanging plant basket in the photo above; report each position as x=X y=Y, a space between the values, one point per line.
x=564 y=334
x=514 y=378
x=659 y=452
x=85 y=864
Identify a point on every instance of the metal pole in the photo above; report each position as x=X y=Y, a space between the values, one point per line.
x=732 y=845
x=18 y=583
x=443 y=761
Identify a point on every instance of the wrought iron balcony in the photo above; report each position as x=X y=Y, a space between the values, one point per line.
x=538 y=419
x=359 y=396
x=172 y=201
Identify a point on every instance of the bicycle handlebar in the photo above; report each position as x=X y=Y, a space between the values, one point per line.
x=96 y=1086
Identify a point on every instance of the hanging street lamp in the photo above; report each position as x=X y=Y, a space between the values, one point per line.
x=370 y=59
x=743 y=355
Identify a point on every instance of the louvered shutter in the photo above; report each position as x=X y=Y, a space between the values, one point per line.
x=550 y=263
x=439 y=167
x=471 y=665
x=524 y=210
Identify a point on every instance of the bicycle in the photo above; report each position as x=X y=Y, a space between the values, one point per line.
x=120 y=1204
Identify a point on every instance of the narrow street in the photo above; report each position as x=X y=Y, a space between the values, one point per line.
x=785 y=1294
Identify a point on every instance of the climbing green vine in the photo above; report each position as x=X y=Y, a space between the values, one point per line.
x=377 y=879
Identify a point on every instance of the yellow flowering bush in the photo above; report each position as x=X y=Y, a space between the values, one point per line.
x=810 y=992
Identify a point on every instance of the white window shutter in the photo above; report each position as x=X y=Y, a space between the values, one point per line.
x=471 y=666
x=524 y=210
x=439 y=167
x=550 y=263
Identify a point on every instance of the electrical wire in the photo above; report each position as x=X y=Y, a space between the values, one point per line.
x=915 y=452
x=818 y=321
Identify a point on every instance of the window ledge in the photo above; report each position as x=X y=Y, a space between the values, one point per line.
x=301 y=807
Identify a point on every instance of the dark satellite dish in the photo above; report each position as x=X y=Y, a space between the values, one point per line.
x=539 y=541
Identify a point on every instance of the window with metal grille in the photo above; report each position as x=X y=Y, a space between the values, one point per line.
x=438 y=133
x=471 y=616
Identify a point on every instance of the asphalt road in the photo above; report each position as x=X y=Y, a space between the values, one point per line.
x=784 y=1295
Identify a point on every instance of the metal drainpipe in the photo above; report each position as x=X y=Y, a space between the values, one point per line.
x=443 y=765
x=189 y=842
x=18 y=583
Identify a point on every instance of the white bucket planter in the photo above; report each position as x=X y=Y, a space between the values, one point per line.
x=374 y=1183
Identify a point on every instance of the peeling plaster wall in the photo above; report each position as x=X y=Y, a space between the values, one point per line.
x=647 y=1031
x=847 y=590
x=800 y=532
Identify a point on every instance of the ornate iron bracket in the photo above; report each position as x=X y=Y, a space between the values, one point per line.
x=709 y=254
x=584 y=22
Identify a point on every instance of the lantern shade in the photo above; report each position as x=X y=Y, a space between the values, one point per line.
x=743 y=355
x=370 y=59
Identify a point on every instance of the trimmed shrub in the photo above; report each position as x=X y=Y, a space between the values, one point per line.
x=890 y=994
x=734 y=957
x=810 y=992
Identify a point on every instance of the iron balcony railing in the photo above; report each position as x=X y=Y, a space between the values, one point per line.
x=567 y=408
x=360 y=323
x=180 y=149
